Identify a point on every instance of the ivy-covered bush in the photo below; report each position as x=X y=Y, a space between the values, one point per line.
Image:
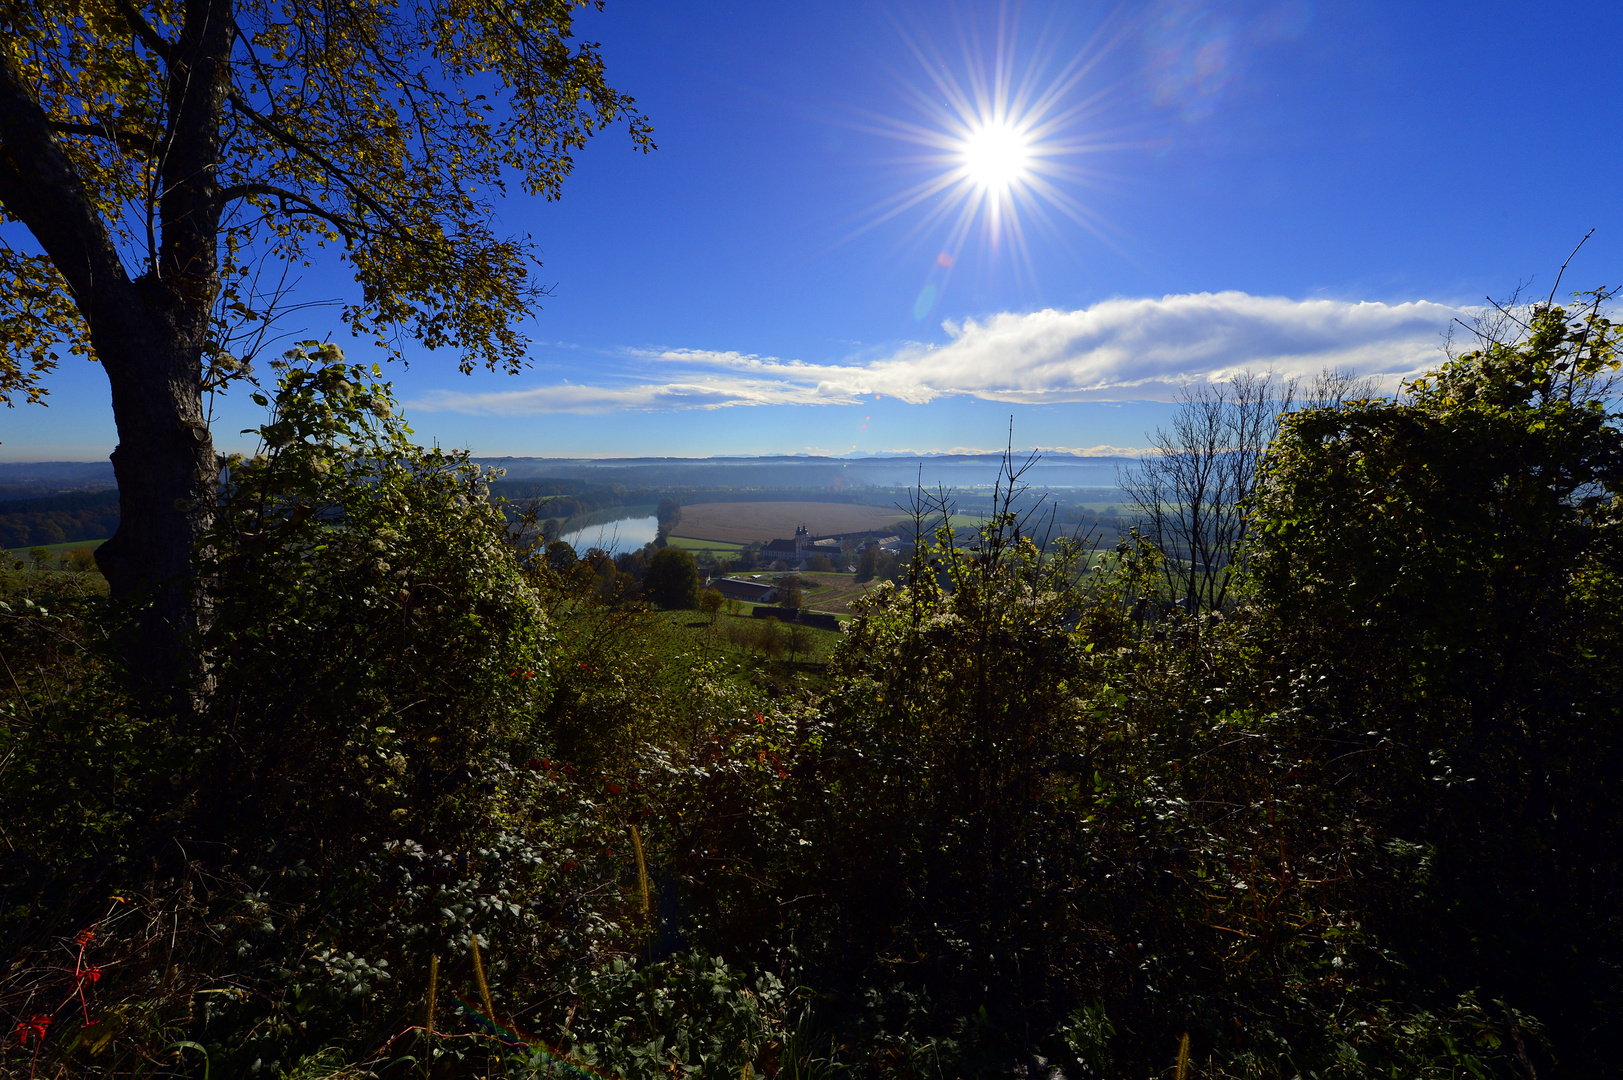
x=360 y=790
x=374 y=638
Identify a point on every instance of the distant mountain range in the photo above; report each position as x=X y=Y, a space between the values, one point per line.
x=57 y=475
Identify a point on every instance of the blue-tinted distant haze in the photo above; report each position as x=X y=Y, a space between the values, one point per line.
x=1216 y=187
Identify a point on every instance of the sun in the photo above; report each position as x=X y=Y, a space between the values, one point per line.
x=996 y=156
x=1001 y=136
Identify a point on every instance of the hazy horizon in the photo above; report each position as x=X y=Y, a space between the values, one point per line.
x=1056 y=473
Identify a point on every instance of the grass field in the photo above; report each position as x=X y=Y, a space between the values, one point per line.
x=690 y=544
x=743 y=522
x=747 y=610
x=690 y=626
x=831 y=592
x=57 y=549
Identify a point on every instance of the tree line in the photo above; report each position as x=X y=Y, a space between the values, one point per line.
x=56 y=519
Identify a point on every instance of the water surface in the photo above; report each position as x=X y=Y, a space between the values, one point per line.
x=615 y=537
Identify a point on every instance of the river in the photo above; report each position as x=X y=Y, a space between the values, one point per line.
x=617 y=536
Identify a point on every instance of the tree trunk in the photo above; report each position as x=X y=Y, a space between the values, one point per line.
x=166 y=474
x=164 y=461
x=149 y=333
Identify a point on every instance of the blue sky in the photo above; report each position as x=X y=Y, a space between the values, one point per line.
x=1223 y=186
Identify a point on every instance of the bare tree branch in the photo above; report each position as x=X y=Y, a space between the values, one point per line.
x=1563 y=271
x=122 y=137
x=1192 y=491
x=143 y=30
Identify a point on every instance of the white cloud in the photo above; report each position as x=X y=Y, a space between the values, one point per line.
x=699 y=392
x=1116 y=350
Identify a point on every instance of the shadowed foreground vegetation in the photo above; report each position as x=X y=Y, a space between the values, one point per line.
x=451 y=809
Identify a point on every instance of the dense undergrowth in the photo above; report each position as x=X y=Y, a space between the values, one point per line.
x=448 y=810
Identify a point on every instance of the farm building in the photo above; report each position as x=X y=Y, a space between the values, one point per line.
x=754 y=592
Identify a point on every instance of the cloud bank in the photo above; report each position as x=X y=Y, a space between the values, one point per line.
x=1115 y=350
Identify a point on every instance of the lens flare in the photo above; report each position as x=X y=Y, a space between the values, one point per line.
x=926 y=301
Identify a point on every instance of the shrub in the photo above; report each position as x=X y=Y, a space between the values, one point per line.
x=1033 y=821
x=373 y=632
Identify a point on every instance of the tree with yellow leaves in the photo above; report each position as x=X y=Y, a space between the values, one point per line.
x=171 y=158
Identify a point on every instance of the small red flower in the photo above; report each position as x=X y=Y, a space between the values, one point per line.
x=83 y=973
x=34 y=1026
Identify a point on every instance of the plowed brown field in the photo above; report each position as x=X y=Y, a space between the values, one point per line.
x=741 y=522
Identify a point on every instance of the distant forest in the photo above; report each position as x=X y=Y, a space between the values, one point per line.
x=58 y=519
